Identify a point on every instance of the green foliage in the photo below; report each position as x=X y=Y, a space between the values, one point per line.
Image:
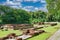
x=53 y=7
x=11 y=15
x=19 y=16
x=38 y=16
x=14 y=16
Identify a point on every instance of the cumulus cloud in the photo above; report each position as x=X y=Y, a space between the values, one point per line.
x=32 y=8
x=36 y=8
x=42 y=1
x=43 y=9
x=14 y=4
x=28 y=8
x=17 y=0
x=32 y=0
x=18 y=4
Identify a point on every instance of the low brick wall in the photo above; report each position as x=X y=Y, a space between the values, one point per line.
x=18 y=26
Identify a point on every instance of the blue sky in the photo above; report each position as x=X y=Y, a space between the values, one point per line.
x=28 y=5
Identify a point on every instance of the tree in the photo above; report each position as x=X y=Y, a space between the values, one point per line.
x=38 y=16
x=53 y=7
x=12 y=15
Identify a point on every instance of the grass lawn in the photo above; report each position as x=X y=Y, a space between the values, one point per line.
x=4 y=33
x=49 y=31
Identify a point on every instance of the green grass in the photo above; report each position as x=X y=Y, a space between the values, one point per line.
x=4 y=33
x=49 y=31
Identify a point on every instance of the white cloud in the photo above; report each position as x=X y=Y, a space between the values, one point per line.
x=36 y=8
x=14 y=4
x=43 y=9
x=17 y=4
x=31 y=0
x=28 y=8
x=7 y=0
x=28 y=0
x=32 y=8
x=18 y=0
x=42 y=1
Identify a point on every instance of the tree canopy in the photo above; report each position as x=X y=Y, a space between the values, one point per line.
x=53 y=7
x=12 y=15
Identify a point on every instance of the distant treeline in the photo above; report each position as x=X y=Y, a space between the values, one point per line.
x=10 y=15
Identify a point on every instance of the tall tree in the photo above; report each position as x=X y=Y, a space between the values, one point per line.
x=53 y=7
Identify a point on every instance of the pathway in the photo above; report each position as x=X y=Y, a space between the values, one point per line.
x=56 y=36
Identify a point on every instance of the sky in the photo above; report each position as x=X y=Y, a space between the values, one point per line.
x=28 y=5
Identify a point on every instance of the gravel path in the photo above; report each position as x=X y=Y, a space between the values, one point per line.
x=56 y=36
